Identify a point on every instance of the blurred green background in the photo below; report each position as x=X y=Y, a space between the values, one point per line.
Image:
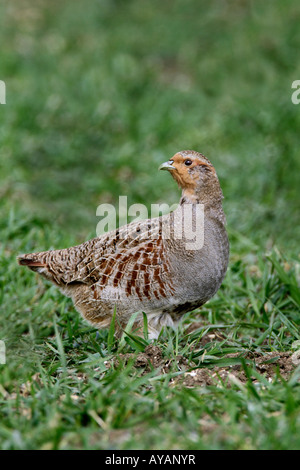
x=99 y=93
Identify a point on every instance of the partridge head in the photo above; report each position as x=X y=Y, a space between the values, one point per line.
x=197 y=177
x=149 y=266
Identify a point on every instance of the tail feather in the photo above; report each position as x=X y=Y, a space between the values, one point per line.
x=58 y=266
x=39 y=263
x=25 y=261
x=55 y=265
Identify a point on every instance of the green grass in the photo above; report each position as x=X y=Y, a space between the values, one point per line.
x=98 y=95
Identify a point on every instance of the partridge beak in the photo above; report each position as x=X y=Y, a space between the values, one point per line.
x=166 y=166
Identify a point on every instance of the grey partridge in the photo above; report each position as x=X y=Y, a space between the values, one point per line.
x=164 y=266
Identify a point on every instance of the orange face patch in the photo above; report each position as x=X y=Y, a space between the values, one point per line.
x=182 y=174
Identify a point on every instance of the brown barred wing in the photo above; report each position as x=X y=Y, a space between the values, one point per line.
x=141 y=271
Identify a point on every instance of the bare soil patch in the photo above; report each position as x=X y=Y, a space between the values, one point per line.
x=267 y=365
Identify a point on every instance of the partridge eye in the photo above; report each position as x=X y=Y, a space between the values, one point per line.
x=188 y=162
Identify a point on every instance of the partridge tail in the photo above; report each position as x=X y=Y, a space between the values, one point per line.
x=59 y=266
x=38 y=262
x=32 y=260
x=52 y=265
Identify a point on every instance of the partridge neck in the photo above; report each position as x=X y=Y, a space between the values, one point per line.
x=211 y=198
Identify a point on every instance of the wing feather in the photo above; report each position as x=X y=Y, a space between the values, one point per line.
x=130 y=259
